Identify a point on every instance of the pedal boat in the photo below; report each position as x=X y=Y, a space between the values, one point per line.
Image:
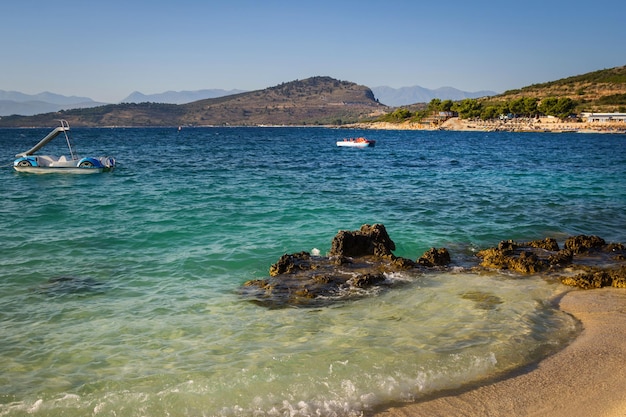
x=42 y=164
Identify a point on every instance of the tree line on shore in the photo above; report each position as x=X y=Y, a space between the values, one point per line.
x=561 y=107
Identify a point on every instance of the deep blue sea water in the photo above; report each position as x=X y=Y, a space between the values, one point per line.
x=119 y=291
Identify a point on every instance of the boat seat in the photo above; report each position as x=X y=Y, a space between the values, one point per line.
x=62 y=158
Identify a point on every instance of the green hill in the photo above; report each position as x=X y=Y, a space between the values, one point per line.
x=598 y=91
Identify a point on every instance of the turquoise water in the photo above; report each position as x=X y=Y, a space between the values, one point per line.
x=119 y=291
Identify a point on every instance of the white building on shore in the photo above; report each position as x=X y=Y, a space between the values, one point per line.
x=603 y=117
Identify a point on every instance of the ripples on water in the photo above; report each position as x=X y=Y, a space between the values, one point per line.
x=119 y=291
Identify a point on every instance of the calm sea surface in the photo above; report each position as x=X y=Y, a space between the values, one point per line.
x=119 y=291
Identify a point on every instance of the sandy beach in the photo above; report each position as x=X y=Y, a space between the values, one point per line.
x=587 y=378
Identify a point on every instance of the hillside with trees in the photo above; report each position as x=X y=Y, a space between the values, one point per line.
x=598 y=91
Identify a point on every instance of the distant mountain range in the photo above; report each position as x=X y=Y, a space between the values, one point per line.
x=178 y=97
x=403 y=96
x=13 y=102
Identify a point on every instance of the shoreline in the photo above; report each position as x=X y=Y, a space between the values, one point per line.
x=514 y=125
x=586 y=378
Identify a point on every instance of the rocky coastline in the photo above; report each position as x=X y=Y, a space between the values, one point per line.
x=360 y=260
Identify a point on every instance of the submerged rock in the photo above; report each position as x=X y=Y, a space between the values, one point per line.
x=66 y=285
x=483 y=300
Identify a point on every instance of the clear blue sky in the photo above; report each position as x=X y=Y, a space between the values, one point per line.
x=107 y=49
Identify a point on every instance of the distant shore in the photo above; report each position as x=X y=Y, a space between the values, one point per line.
x=507 y=125
x=586 y=379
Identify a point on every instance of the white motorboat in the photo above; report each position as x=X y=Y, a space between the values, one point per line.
x=29 y=162
x=357 y=143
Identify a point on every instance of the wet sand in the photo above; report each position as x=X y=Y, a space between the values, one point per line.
x=587 y=378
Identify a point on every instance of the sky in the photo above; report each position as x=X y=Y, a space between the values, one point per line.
x=105 y=50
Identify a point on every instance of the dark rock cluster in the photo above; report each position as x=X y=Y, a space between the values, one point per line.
x=369 y=240
x=359 y=261
x=598 y=278
x=596 y=263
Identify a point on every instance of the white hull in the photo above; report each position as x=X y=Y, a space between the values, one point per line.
x=356 y=143
x=64 y=170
